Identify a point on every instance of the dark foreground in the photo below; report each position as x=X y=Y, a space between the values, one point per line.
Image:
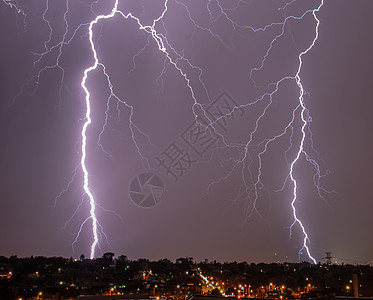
x=120 y=278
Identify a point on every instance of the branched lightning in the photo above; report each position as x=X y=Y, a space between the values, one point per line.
x=301 y=146
x=85 y=126
x=305 y=119
x=160 y=43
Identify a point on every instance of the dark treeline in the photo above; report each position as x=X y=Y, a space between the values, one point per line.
x=62 y=278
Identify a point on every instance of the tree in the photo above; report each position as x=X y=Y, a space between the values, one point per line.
x=108 y=257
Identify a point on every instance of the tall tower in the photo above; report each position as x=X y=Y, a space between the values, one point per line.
x=328 y=258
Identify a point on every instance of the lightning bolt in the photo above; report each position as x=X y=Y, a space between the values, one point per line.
x=161 y=46
x=87 y=122
x=256 y=185
x=301 y=146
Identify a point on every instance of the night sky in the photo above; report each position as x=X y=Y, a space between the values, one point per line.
x=207 y=207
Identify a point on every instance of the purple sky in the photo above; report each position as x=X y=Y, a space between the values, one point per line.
x=206 y=210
